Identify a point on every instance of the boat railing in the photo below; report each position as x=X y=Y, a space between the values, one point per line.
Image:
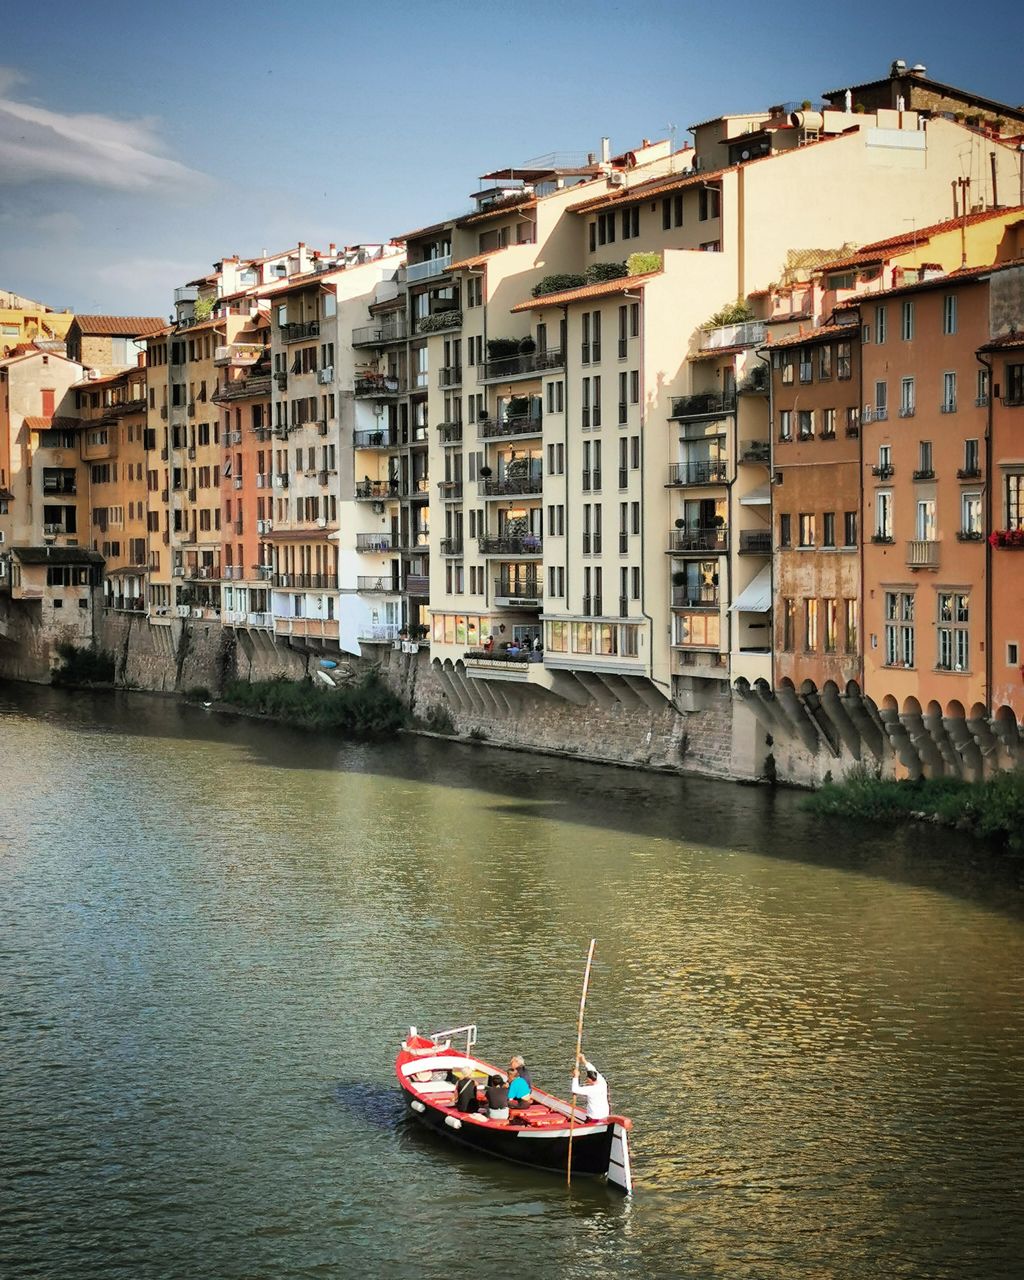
x=468 y=1031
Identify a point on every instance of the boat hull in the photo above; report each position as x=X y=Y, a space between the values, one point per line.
x=591 y=1143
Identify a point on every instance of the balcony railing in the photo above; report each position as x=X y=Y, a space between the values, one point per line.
x=922 y=554
x=380 y=633
x=299 y=330
x=377 y=385
x=703 y=405
x=695 y=473
x=383 y=583
x=520 y=424
x=527 y=590
x=450 y=376
x=970 y=535
x=417 y=488
x=969 y=473
x=924 y=473
x=712 y=538
x=238 y=355
x=416 y=271
x=452 y=546
x=511 y=487
x=754 y=542
x=527 y=545
x=376 y=490
x=373 y=542
x=450 y=432
x=948 y=406
x=307 y=581
x=378 y=335
x=695 y=597
x=748 y=334
x=450 y=490
x=374 y=440
x=883 y=471
x=522 y=365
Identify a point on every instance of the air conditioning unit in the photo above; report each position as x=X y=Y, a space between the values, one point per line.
x=197 y=613
x=183 y=610
x=616 y=178
x=92 y=374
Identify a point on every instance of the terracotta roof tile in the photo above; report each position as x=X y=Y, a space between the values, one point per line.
x=119 y=326
x=1008 y=342
x=499 y=209
x=937 y=228
x=45 y=424
x=478 y=260
x=645 y=190
x=824 y=334
x=604 y=289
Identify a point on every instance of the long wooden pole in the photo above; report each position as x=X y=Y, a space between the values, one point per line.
x=576 y=1061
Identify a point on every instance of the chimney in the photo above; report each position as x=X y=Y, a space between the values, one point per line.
x=332 y=249
x=606 y=150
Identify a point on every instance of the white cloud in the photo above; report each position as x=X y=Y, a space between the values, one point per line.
x=96 y=150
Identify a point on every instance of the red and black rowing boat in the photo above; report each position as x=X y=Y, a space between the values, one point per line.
x=428 y=1068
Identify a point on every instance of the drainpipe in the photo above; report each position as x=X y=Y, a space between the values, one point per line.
x=565 y=443
x=767 y=362
x=987 y=529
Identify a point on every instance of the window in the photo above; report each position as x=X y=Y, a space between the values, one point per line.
x=787 y=370
x=881 y=401
x=883 y=516
x=788 y=624
x=606 y=228
x=556 y=459
x=806 y=365
x=849 y=528
x=1013 y=492
x=844 y=361
x=785 y=424
x=810 y=626
x=556 y=397
x=828 y=529
x=899 y=628
x=623 y=392
x=948 y=393
x=925 y=522
x=623 y=332
x=672 y=211
x=785 y=531
x=585 y=404
x=634 y=386
x=952 y=633
x=907 y=321
x=881 y=323
x=850 y=610
x=981 y=400
x=924 y=461
x=970 y=517
x=630 y=223
x=825 y=362
x=828 y=424
x=972 y=459
x=831 y=625
x=806 y=526
x=805 y=423
x=949 y=313
x=710 y=204
x=907 y=403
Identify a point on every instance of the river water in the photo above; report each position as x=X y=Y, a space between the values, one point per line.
x=214 y=931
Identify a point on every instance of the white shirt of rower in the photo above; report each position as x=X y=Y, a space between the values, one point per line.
x=595 y=1095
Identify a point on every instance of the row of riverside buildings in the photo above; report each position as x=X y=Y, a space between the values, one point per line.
x=729 y=437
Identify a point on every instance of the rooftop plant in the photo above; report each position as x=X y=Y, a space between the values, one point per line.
x=737 y=312
x=557 y=282
x=638 y=264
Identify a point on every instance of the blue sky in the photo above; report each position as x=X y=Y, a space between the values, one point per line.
x=140 y=143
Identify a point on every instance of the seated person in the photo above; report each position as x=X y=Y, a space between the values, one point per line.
x=497 y=1098
x=465 y=1096
x=520 y=1094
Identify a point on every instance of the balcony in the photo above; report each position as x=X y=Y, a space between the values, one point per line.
x=757 y=451
x=512 y=425
x=922 y=554
x=711 y=538
x=511 y=487
x=450 y=376
x=374 y=440
x=969 y=473
x=378 y=385
x=450 y=490
x=970 y=535
x=522 y=365
x=883 y=471
x=754 y=542
x=314 y=628
x=376 y=490
x=381 y=633
x=698 y=473
x=379 y=543
x=417 y=490
x=684 y=597
x=907 y=410
x=452 y=547
x=518 y=591
x=748 y=334
x=379 y=584
x=450 y=432
x=58 y=530
x=703 y=405
x=306 y=581
x=924 y=473
x=238 y=355
x=379 y=335
x=417 y=271
x=300 y=331
x=242 y=389
x=527 y=545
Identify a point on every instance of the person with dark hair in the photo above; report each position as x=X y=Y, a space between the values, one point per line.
x=465 y=1096
x=594 y=1092
x=497 y=1098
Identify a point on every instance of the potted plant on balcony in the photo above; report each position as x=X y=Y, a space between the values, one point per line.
x=527 y=346
x=680 y=523
x=679 y=578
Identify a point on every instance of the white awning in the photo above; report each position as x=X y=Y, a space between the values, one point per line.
x=756 y=597
x=760 y=497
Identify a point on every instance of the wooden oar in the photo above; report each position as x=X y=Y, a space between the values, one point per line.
x=576 y=1063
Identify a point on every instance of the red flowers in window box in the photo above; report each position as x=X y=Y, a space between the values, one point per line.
x=1007 y=538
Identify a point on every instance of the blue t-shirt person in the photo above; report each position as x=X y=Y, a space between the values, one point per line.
x=518 y=1088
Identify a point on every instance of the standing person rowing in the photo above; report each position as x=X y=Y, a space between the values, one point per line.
x=595 y=1091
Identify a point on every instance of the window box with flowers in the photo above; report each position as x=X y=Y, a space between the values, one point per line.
x=1012 y=539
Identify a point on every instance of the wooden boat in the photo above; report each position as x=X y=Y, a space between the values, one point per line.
x=428 y=1067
